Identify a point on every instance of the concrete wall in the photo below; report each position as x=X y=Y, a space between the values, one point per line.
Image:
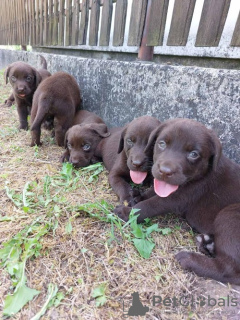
x=120 y=91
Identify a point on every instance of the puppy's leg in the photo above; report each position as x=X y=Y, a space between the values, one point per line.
x=225 y=266
x=221 y=268
x=65 y=156
x=22 y=114
x=10 y=101
x=36 y=134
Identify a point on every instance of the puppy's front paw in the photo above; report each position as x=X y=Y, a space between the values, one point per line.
x=205 y=244
x=65 y=157
x=184 y=259
x=8 y=103
x=122 y=212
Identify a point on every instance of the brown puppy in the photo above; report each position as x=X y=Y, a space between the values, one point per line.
x=24 y=80
x=82 y=138
x=132 y=163
x=194 y=179
x=57 y=96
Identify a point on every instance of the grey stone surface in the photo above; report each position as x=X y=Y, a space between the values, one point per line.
x=120 y=91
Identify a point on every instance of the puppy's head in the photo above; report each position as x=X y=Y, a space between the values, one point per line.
x=82 y=141
x=184 y=151
x=23 y=78
x=134 y=139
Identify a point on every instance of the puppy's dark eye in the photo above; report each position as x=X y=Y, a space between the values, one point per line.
x=69 y=146
x=129 y=142
x=162 y=145
x=13 y=79
x=86 y=147
x=29 y=79
x=193 y=155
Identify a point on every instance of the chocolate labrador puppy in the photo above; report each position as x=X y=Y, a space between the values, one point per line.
x=126 y=146
x=82 y=139
x=24 y=80
x=59 y=97
x=194 y=179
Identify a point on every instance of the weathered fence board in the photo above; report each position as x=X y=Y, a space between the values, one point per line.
x=94 y=23
x=137 y=22
x=61 y=23
x=84 y=22
x=212 y=21
x=181 y=22
x=68 y=35
x=235 y=42
x=156 y=22
x=75 y=22
x=55 y=23
x=106 y=23
x=120 y=22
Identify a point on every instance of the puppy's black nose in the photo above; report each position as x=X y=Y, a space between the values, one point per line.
x=137 y=163
x=20 y=89
x=166 y=171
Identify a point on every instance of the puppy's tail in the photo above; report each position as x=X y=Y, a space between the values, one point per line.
x=43 y=62
x=39 y=113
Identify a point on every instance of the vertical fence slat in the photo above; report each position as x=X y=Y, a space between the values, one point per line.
x=212 y=21
x=55 y=24
x=235 y=42
x=61 y=22
x=75 y=22
x=181 y=22
x=120 y=22
x=156 y=22
x=41 y=22
x=37 y=22
x=68 y=22
x=106 y=23
x=137 y=21
x=8 y=34
x=50 y=21
x=28 y=20
x=45 y=24
x=94 y=23
x=84 y=22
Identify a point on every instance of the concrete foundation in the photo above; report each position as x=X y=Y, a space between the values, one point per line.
x=120 y=91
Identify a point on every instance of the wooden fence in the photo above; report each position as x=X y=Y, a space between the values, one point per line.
x=66 y=22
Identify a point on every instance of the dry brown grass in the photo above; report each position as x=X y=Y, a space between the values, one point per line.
x=115 y=263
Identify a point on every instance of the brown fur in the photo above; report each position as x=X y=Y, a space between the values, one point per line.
x=24 y=80
x=129 y=143
x=59 y=97
x=188 y=155
x=82 y=139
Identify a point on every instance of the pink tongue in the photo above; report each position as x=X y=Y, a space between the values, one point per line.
x=137 y=176
x=163 y=189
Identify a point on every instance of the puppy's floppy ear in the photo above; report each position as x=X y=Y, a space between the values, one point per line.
x=38 y=78
x=6 y=73
x=216 y=149
x=121 y=142
x=101 y=129
x=65 y=139
x=153 y=137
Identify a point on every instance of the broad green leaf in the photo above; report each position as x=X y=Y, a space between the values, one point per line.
x=144 y=247
x=166 y=231
x=14 y=303
x=152 y=228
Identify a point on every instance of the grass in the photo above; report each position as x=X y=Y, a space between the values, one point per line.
x=64 y=255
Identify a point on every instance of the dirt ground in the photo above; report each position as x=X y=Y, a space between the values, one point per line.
x=92 y=263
